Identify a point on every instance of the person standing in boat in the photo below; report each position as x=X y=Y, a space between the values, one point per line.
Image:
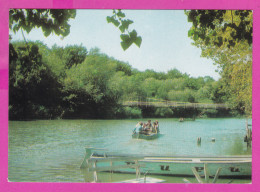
x=138 y=127
x=157 y=126
x=154 y=128
x=148 y=127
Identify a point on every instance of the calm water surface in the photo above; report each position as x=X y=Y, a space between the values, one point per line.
x=52 y=151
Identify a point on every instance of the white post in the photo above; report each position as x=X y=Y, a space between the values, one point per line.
x=137 y=169
x=95 y=172
x=111 y=170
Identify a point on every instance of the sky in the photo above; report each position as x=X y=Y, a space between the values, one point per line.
x=165 y=42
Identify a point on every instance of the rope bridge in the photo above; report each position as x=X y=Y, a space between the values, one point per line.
x=173 y=104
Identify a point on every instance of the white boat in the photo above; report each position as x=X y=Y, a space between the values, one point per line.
x=231 y=166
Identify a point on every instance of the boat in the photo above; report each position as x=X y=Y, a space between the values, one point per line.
x=224 y=166
x=145 y=136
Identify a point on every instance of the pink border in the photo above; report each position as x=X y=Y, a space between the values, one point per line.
x=133 y=4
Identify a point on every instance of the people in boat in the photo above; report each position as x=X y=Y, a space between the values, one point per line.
x=157 y=126
x=181 y=119
x=148 y=127
x=138 y=127
x=149 y=124
x=154 y=128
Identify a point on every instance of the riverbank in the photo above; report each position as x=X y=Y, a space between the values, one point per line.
x=140 y=112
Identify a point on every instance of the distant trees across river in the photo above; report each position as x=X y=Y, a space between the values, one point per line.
x=72 y=82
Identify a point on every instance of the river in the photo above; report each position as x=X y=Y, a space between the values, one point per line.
x=52 y=150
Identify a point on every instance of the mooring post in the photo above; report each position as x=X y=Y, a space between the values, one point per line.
x=111 y=170
x=246 y=125
x=137 y=169
x=95 y=172
x=199 y=141
x=248 y=136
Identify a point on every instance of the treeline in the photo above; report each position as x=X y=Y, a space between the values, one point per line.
x=71 y=82
x=226 y=36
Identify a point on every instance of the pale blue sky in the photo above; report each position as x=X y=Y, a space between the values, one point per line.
x=165 y=44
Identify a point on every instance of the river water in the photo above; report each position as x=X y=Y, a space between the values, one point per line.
x=52 y=150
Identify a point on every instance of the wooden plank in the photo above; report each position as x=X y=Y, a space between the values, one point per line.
x=199 y=162
x=196 y=175
x=115 y=167
x=114 y=154
x=203 y=158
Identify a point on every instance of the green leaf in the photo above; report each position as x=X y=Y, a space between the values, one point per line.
x=196 y=36
x=27 y=28
x=190 y=32
x=190 y=19
x=46 y=32
x=220 y=41
x=66 y=32
x=122 y=28
x=125 y=25
x=109 y=19
x=120 y=14
x=128 y=22
x=133 y=34
x=115 y=22
x=124 y=37
x=73 y=13
x=125 y=45
x=126 y=41
x=207 y=40
x=16 y=28
x=138 y=41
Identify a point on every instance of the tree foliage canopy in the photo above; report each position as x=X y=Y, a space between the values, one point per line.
x=49 y=20
x=225 y=36
x=127 y=37
x=218 y=27
x=56 y=21
x=67 y=82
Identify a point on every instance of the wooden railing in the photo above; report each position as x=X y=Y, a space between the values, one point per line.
x=174 y=104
